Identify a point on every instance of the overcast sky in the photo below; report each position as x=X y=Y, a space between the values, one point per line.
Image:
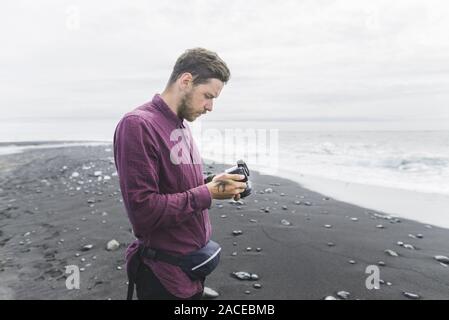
x=381 y=63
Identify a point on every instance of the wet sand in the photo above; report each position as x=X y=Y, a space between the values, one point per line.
x=310 y=246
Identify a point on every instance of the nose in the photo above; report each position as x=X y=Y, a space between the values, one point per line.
x=209 y=106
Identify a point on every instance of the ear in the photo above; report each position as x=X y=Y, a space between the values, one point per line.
x=185 y=81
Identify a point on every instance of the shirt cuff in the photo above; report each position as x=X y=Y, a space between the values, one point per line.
x=202 y=196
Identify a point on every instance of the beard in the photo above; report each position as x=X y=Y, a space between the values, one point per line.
x=185 y=108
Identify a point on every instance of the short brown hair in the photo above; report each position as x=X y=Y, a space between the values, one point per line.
x=202 y=64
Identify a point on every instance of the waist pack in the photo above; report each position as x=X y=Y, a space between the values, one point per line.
x=197 y=264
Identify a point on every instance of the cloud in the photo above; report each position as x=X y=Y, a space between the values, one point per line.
x=350 y=57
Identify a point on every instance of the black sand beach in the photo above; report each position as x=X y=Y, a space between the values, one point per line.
x=301 y=244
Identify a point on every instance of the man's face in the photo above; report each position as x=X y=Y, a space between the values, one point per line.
x=199 y=99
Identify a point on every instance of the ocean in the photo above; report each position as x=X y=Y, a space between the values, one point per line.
x=412 y=165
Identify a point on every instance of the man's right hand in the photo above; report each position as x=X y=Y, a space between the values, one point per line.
x=226 y=186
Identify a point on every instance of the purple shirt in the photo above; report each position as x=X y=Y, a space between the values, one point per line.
x=166 y=200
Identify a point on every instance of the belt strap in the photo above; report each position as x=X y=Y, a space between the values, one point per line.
x=161 y=256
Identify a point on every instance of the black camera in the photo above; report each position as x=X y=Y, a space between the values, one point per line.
x=242 y=168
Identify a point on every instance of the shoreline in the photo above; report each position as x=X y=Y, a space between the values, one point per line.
x=301 y=244
x=406 y=204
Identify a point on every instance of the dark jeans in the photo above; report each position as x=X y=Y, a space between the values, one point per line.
x=148 y=287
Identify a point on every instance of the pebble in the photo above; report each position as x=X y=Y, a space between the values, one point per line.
x=268 y=190
x=249 y=249
x=75 y=175
x=77 y=254
x=234 y=254
x=284 y=208
x=210 y=293
x=253 y=220
x=400 y=243
x=331 y=244
x=257 y=285
x=354 y=219
x=112 y=245
x=258 y=249
x=119 y=268
x=247 y=292
x=97 y=173
x=419 y=236
x=380 y=226
x=411 y=295
x=408 y=246
x=223 y=216
x=297 y=202
x=285 y=222
x=391 y=253
x=328 y=226
x=307 y=203
x=254 y=276
x=87 y=247
x=242 y=275
x=381 y=263
x=351 y=261
x=343 y=294
x=282 y=194
x=330 y=298
x=83 y=259
x=91 y=200
x=237 y=232
x=442 y=259
x=267 y=209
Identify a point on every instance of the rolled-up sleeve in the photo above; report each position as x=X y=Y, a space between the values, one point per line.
x=137 y=161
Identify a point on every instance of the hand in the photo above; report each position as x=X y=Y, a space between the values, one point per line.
x=226 y=186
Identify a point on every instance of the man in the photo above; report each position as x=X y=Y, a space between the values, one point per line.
x=163 y=189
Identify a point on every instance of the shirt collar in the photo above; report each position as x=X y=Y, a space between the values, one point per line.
x=161 y=106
